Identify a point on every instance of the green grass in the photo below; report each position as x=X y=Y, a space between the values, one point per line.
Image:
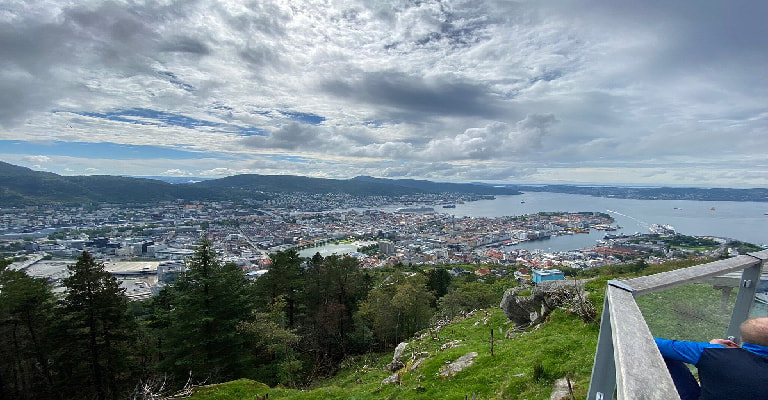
x=689 y=312
x=241 y=389
x=564 y=345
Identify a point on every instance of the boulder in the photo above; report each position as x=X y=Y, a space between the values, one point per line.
x=397 y=362
x=459 y=365
x=543 y=298
x=561 y=390
x=394 y=378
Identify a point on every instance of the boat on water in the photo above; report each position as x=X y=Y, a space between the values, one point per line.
x=449 y=205
x=605 y=227
x=414 y=210
x=662 y=229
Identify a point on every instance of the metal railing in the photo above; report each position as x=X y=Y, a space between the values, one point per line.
x=627 y=362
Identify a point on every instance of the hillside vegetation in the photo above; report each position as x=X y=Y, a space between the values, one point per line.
x=314 y=328
x=523 y=366
x=524 y=363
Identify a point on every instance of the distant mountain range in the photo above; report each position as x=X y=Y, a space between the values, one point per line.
x=20 y=186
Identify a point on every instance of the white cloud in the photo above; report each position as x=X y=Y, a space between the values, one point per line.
x=482 y=89
x=37 y=159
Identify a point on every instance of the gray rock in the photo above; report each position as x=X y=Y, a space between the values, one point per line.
x=397 y=362
x=560 y=391
x=416 y=364
x=399 y=350
x=394 y=378
x=394 y=366
x=544 y=297
x=459 y=365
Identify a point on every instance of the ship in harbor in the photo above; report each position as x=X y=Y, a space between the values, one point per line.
x=415 y=210
x=662 y=229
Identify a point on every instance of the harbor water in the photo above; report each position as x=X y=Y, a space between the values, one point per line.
x=744 y=221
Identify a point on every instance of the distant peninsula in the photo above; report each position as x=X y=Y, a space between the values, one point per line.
x=653 y=193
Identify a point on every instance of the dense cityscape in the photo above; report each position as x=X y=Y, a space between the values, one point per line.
x=141 y=243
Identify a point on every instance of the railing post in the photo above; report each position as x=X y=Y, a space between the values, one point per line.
x=750 y=279
x=602 y=384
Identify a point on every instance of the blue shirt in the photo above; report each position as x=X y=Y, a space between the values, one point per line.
x=690 y=352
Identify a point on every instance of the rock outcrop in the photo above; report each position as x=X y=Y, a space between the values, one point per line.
x=545 y=297
x=459 y=365
x=397 y=362
x=561 y=390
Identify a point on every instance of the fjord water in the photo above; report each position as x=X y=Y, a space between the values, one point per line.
x=745 y=221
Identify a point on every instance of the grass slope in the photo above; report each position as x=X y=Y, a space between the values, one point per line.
x=524 y=366
x=564 y=345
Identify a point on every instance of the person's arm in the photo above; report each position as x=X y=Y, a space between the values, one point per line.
x=724 y=343
x=687 y=352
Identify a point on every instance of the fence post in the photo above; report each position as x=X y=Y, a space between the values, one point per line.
x=602 y=384
x=750 y=279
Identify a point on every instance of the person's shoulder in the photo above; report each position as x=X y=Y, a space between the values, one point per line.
x=755 y=349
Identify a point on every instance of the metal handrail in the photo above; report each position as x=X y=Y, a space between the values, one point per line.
x=627 y=361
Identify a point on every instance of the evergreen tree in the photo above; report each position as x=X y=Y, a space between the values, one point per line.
x=26 y=309
x=285 y=280
x=200 y=314
x=98 y=332
x=438 y=281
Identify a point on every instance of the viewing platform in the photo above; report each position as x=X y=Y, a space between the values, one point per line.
x=628 y=364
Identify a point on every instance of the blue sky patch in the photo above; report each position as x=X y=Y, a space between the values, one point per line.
x=142 y=115
x=306 y=118
x=173 y=79
x=374 y=123
x=97 y=150
x=149 y=117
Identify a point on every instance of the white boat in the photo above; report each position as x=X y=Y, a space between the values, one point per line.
x=662 y=229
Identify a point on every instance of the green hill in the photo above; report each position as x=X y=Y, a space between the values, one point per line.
x=523 y=366
x=289 y=184
x=20 y=186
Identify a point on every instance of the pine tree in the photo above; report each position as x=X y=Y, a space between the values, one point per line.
x=201 y=313
x=285 y=280
x=98 y=332
x=26 y=309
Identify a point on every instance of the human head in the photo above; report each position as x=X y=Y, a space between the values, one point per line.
x=755 y=331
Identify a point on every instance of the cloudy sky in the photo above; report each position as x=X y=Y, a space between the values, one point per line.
x=591 y=91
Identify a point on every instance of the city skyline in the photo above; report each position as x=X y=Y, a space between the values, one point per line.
x=597 y=92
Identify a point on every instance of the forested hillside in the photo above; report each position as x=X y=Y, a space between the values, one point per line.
x=21 y=186
x=302 y=323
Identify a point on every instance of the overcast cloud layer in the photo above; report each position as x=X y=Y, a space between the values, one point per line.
x=603 y=91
